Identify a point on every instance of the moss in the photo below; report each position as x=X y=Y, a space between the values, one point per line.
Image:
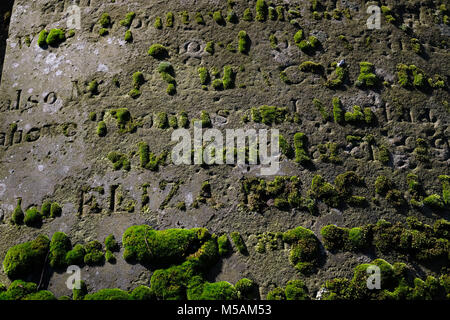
x=325 y=191
x=169 y=19
x=301 y=152
x=93 y=87
x=119 y=161
x=42 y=39
x=158 y=51
x=247 y=15
x=94 y=255
x=204 y=75
x=355 y=117
x=55 y=210
x=75 y=256
x=103 y=32
x=383 y=155
x=434 y=201
x=338 y=111
x=229 y=77
x=199 y=18
x=108 y=294
x=128 y=19
x=383 y=185
x=59 y=247
x=210 y=47
x=33 y=217
x=158 y=23
x=421 y=151
x=367 y=78
x=101 y=129
x=138 y=79
x=296 y=290
x=18 y=290
x=261 y=10
x=218 y=18
x=337 y=78
x=128 y=36
x=45 y=209
x=217 y=84
x=217 y=291
x=246 y=289
x=55 y=37
x=183 y=120
x=298 y=37
x=395 y=197
x=239 y=242
x=321 y=108
x=142 y=293
x=269 y=114
x=244 y=42
x=23 y=259
x=309 y=66
x=232 y=17
x=148 y=159
x=304 y=253
x=111 y=243
x=41 y=296
x=161 y=248
x=171 y=89
x=445 y=181
x=276 y=294
x=105 y=20
x=162 y=120
x=334 y=237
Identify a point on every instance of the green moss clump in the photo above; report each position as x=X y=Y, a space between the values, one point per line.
x=309 y=66
x=158 y=23
x=148 y=159
x=244 y=42
x=42 y=39
x=128 y=36
x=158 y=51
x=124 y=119
x=199 y=18
x=169 y=19
x=355 y=117
x=101 y=129
x=128 y=20
x=108 y=294
x=445 y=181
x=298 y=37
x=142 y=293
x=301 y=153
x=217 y=84
x=276 y=294
x=268 y=114
x=119 y=161
x=337 y=78
x=138 y=79
x=183 y=120
x=367 y=78
x=55 y=210
x=59 y=247
x=103 y=32
x=18 y=290
x=261 y=10
x=210 y=47
x=23 y=259
x=334 y=237
x=162 y=248
x=229 y=76
x=105 y=20
x=383 y=155
x=76 y=255
x=296 y=290
x=338 y=111
x=383 y=185
x=434 y=201
x=246 y=289
x=239 y=243
x=421 y=151
x=218 y=18
x=305 y=250
x=204 y=75
x=247 y=15
x=223 y=245
x=45 y=209
x=325 y=191
x=93 y=88
x=321 y=108
x=55 y=37
x=216 y=291
x=162 y=121
x=33 y=217
x=94 y=254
